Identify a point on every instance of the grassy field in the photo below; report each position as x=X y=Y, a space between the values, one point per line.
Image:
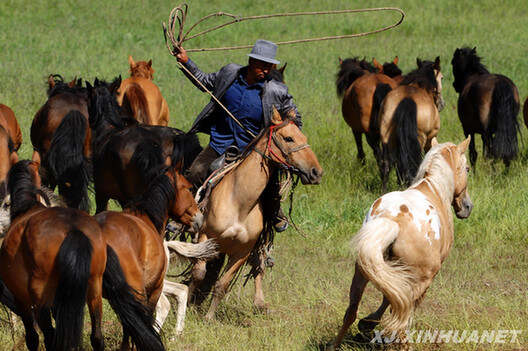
x=483 y=283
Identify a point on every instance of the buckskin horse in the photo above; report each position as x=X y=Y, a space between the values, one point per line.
x=124 y=155
x=9 y=122
x=363 y=93
x=488 y=104
x=406 y=236
x=61 y=141
x=140 y=97
x=409 y=119
x=234 y=213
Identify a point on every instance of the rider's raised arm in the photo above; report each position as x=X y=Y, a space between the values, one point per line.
x=207 y=79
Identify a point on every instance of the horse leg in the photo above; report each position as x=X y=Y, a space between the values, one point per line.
x=384 y=166
x=197 y=277
x=367 y=324
x=94 y=299
x=32 y=338
x=44 y=323
x=210 y=276
x=233 y=265
x=258 y=301
x=359 y=282
x=359 y=145
x=374 y=142
x=179 y=291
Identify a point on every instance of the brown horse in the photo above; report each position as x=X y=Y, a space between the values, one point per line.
x=409 y=119
x=8 y=157
x=525 y=112
x=135 y=237
x=61 y=141
x=234 y=214
x=361 y=102
x=488 y=104
x=140 y=97
x=9 y=122
x=406 y=236
x=127 y=157
x=52 y=260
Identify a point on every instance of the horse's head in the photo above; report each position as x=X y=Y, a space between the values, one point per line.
x=351 y=69
x=277 y=73
x=141 y=68
x=24 y=187
x=287 y=145
x=391 y=69
x=102 y=103
x=184 y=208
x=465 y=62
x=429 y=77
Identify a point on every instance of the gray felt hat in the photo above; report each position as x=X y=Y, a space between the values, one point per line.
x=264 y=50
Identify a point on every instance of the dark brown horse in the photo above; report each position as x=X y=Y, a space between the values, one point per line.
x=488 y=104
x=140 y=97
x=61 y=141
x=127 y=157
x=135 y=236
x=9 y=122
x=409 y=119
x=362 y=98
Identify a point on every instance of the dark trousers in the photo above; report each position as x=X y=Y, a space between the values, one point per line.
x=199 y=169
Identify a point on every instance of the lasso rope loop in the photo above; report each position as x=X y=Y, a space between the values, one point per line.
x=180 y=12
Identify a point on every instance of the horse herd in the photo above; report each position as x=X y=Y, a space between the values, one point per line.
x=55 y=259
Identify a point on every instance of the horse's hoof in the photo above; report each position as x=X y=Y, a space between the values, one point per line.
x=210 y=317
x=366 y=326
x=262 y=308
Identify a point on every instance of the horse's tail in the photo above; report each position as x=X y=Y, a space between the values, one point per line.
x=73 y=264
x=136 y=318
x=392 y=278
x=65 y=159
x=408 y=152
x=135 y=104
x=503 y=124
x=204 y=250
x=382 y=89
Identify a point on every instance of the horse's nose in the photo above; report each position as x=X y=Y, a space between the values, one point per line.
x=197 y=222
x=315 y=175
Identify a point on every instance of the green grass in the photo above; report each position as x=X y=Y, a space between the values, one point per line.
x=482 y=285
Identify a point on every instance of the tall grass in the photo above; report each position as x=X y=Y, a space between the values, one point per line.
x=482 y=285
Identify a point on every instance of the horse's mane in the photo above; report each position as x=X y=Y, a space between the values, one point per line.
x=275 y=74
x=186 y=148
x=423 y=77
x=466 y=63
x=155 y=201
x=21 y=189
x=60 y=87
x=148 y=159
x=391 y=69
x=435 y=165
x=350 y=70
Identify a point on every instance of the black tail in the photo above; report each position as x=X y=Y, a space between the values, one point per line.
x=408 y=153
x=73 y=263
x=66 y=162
x=136 y=318
x=381 y=91
x=503 y=124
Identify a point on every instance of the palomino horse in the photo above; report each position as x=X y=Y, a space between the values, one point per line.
x=406 y=236
x=127 y=158
x=234 y=214
x=9 y=122
x=409 y=119
x=140 y=97
x=136 y=236
x=488 y=104
x=361 y=102
x=61 y=141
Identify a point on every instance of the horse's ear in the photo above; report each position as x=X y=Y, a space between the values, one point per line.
x=51 y=81
x=115 y=85
x=96 y=82
x=378 y=66
x=437 y=63
x=89 y=87
x=395 y=61
x=292 y=114
x=434 y=142
x=149 y=63
x=340 y=61
x=275 y=116
x=419 y=62
x=474 y=50
x=131 y=61
x=462 y=147
x=281 y=70
x=73 y=82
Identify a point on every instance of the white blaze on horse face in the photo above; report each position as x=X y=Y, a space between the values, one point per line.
x=424 y=215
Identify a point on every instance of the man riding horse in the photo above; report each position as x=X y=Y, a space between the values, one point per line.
x=249 y=94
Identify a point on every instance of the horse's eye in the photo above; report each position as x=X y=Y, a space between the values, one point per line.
x=467 y=169
x=288 y=139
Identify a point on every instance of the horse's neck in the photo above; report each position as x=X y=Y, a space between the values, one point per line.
x=441 y=188
x=146 y=219
x=243 y=186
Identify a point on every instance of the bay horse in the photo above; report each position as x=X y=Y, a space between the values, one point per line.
x=9 y=122
x=126 y=156
x=409 y=119
x=361 y=101
x=136 y=236
x=140 y=97
x=488 y=104
x=406 y=236
x=53 y=260
x=61 y=141
x=8 y=157
x=234 y=213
